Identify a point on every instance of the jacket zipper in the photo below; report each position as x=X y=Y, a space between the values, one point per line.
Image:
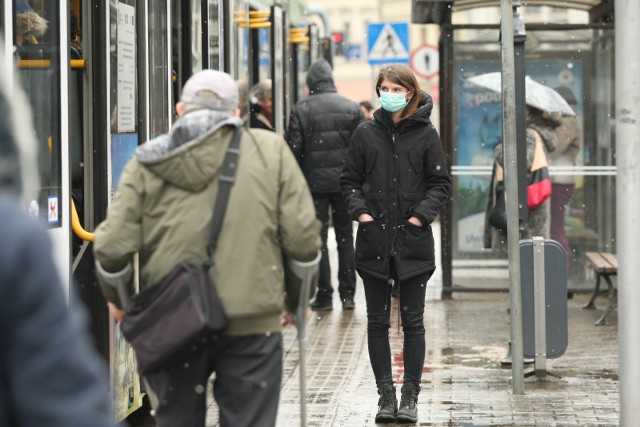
x=395 y=187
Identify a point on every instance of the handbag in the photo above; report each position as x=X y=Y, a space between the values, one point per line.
x=538 y=186
x=498 y=217
x=539 y=182
x=167 y=322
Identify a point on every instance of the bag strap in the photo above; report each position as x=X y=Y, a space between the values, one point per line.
x=539 y=156
x=225 y=182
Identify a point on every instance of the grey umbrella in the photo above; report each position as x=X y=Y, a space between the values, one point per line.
x=537 y=95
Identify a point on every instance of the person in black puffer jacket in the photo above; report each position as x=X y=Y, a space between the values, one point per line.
x=319 y=132
x=395 y=181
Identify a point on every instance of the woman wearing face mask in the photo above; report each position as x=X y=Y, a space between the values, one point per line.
x=395 y=180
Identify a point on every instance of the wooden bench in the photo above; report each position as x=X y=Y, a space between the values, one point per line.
x=605 y=265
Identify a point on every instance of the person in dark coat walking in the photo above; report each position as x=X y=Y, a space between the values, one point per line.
x=395 y=181
x=319 y=132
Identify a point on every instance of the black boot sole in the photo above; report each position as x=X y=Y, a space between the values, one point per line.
x=405 y=419
x=385 y=419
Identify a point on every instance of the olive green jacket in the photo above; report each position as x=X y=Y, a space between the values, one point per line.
x=163 y=207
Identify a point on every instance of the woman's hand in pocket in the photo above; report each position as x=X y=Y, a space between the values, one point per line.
x=364 y=217
x=415 y=221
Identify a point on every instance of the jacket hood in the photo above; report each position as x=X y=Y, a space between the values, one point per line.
x=422 y=115
x=320 y=77
x=190 y=155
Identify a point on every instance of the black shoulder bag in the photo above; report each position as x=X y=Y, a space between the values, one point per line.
x=168 y=321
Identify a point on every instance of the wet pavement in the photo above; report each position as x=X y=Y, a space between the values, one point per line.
x=464 y=383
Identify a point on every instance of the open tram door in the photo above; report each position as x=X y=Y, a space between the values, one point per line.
x=35 y=40
x=126 y=99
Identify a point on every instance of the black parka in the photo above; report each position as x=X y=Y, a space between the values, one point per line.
x=394 y=172
x=320 y=128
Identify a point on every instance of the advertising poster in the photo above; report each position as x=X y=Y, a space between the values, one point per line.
x=126 y=68
x=479 y=117
x=127 y=396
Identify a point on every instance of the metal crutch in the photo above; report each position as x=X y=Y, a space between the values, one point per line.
x=119 y=281
x=305 y=272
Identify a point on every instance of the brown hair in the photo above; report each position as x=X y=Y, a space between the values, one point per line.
x=403 y=76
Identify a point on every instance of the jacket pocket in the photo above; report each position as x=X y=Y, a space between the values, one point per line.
x=370 y=240
x=416 y=242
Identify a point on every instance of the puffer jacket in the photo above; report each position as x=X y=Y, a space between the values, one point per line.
x=163 y=210
x=394 y=172
x=320 y=128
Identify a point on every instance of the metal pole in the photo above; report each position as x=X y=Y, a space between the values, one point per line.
x=511 y=173
x=539 y=308
x=627 y=83
x=519 y=38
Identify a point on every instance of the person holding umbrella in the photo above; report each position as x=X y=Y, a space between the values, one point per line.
x=540 y=129
x=544 y=107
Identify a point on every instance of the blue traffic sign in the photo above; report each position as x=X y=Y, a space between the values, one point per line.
x=388 y=42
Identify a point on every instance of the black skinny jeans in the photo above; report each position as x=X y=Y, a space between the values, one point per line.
x=412 y=295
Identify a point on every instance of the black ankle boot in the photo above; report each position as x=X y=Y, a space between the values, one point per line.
x=408 y=412
x=387 y=404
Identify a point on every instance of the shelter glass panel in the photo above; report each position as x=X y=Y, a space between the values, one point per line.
x=580 y=61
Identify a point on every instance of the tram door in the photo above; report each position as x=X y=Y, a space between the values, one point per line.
x=35 y=41
x=125 y=97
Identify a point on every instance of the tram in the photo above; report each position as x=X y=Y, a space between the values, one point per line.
x=103 y=77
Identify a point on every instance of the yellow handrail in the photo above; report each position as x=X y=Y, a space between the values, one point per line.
x=77 y=227
x=46 y=63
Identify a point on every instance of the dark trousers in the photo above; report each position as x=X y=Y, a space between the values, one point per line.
x=246 y=387
x=560 y=196
x=343 y=227
x=378 y=295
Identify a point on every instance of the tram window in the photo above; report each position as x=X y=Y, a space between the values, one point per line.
x=123 y=67
x=37 y=50
x=159 y=73
x=196 y=35
x=215 y=24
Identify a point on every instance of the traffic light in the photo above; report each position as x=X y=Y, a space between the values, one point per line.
x=338 y=41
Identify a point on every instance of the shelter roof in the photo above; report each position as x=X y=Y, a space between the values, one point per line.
x=571 y=4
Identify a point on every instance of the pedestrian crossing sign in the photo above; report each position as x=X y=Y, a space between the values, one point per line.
x=388 y=43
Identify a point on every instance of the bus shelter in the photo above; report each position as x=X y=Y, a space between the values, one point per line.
x=576 y=57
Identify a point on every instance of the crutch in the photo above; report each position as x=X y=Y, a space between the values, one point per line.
x=119 y=281
x=305 y=272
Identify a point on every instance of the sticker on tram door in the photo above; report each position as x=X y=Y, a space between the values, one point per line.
x=34 y=209
x=53 y=209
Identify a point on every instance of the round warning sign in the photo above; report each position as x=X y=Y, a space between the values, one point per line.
x=425 y=61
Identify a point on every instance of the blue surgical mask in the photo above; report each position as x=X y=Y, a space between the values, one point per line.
x=393 y=102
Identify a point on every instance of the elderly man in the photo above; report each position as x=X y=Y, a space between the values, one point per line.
x=163 y=209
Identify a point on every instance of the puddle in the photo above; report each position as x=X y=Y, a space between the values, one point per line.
x=476 y=356
x=604 y=374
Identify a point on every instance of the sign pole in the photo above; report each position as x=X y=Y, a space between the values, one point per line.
x=511 y=173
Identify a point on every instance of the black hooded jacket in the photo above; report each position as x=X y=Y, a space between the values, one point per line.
x=320 y=128
x=394 y=172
